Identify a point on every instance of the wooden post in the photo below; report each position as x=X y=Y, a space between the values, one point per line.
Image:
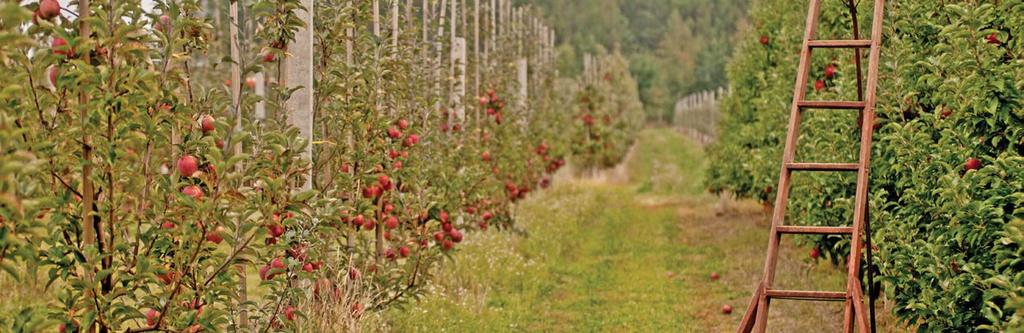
x=458 y=92
x=299 y=74
x=394 y=25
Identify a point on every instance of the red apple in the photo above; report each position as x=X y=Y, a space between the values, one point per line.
x=403 y=124
x=168 y=225
x=353 y=273
x=830 y=71
x=411 y=140
x=263 y=273
x=391 y=222
x=167 y=277
x=487 y=216
x=384 y=181
x=359 y=220
x=276 y=230
x=764 y=40
x=819 y=85
x=53 y=76
x=815 y=253
x=289 y=312
x=439 y=236
x=60 y=46
x=165 y=22
x=456 y=235
x=208 y=124
x=188 y=165
x=48 y=9
x=403 y=251
x=972 y=164
x=444 y=217
x=268 y=57
x=447 y=245
x=993 y=39
x=152 y=316
x=193 y=191
x=277 y=263
x=369 y=224
x=394 y=133
x=727 y=309
x=307 y=267
x=485 y=156
x=216 y=235
x=714 y=276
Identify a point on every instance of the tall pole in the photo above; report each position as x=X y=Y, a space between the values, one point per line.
x=299 y=74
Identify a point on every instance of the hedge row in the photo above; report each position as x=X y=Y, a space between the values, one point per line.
x=947 y=170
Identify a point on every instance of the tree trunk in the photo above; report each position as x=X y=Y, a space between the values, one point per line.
x=299 y=74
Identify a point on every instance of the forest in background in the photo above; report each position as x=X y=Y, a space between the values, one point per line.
x=675 y=47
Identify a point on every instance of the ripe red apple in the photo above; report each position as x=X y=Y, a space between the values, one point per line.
x=371 y=191
x=188 y=165
x=289 y=313
x=165 y=22
x=815 y=253
x=152 y=316
x=277 y=263
x=394 y=133
x=411 y=140
x=48 y=9
x=439 y=236
x=403 y=251
x=447 y=245
x=819 y=85
x=727 y=309
x=830 y=71
x=60 y=46
x=444 y=217
x=447 y=227
x=484 y=100
x=208 y=124
x=369 y=224
x=384 y=181
x=168 y=225
x=391 y=222
x=764 y=40
x=359 y=220
x=216 y=235
x=390 y=254
x=53 y=76
x=263 y=273
x=307 y=267
x=193 y=191
x=972 y=164
x=268 y=57
x=275 y=230
x=993 y=39
x=714 y=276
x=485 y=156
x=403 y=124
x=456 y=235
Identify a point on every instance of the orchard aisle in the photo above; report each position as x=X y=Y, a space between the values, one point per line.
x=611 y=254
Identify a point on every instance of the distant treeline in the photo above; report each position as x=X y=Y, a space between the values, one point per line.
x=675 y=47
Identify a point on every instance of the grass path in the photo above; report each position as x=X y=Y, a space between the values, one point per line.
x=627 y=252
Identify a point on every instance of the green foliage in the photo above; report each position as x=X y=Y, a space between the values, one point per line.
x=949 y=91
x=675 y=47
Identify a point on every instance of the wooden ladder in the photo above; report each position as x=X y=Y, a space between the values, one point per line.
x=756 y=317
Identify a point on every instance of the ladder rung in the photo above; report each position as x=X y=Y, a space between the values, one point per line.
x=814 y=230
x=832 y=105
x=823 y=166
x=841 y=43
x=803 y=295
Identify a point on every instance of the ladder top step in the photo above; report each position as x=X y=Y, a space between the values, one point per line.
x=823 y=166
x=803 y=295
x=833 y=105
x=841 y=43
x=814 y=230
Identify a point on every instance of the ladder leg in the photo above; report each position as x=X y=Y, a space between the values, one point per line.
x=761 y=325
x=848 y=315
x=747 y=323
x=858 y=310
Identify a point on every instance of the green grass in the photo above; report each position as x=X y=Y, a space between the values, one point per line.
x=603 y=255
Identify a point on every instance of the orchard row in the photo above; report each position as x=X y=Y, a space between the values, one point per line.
x=236 y=165
x=947 y=167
